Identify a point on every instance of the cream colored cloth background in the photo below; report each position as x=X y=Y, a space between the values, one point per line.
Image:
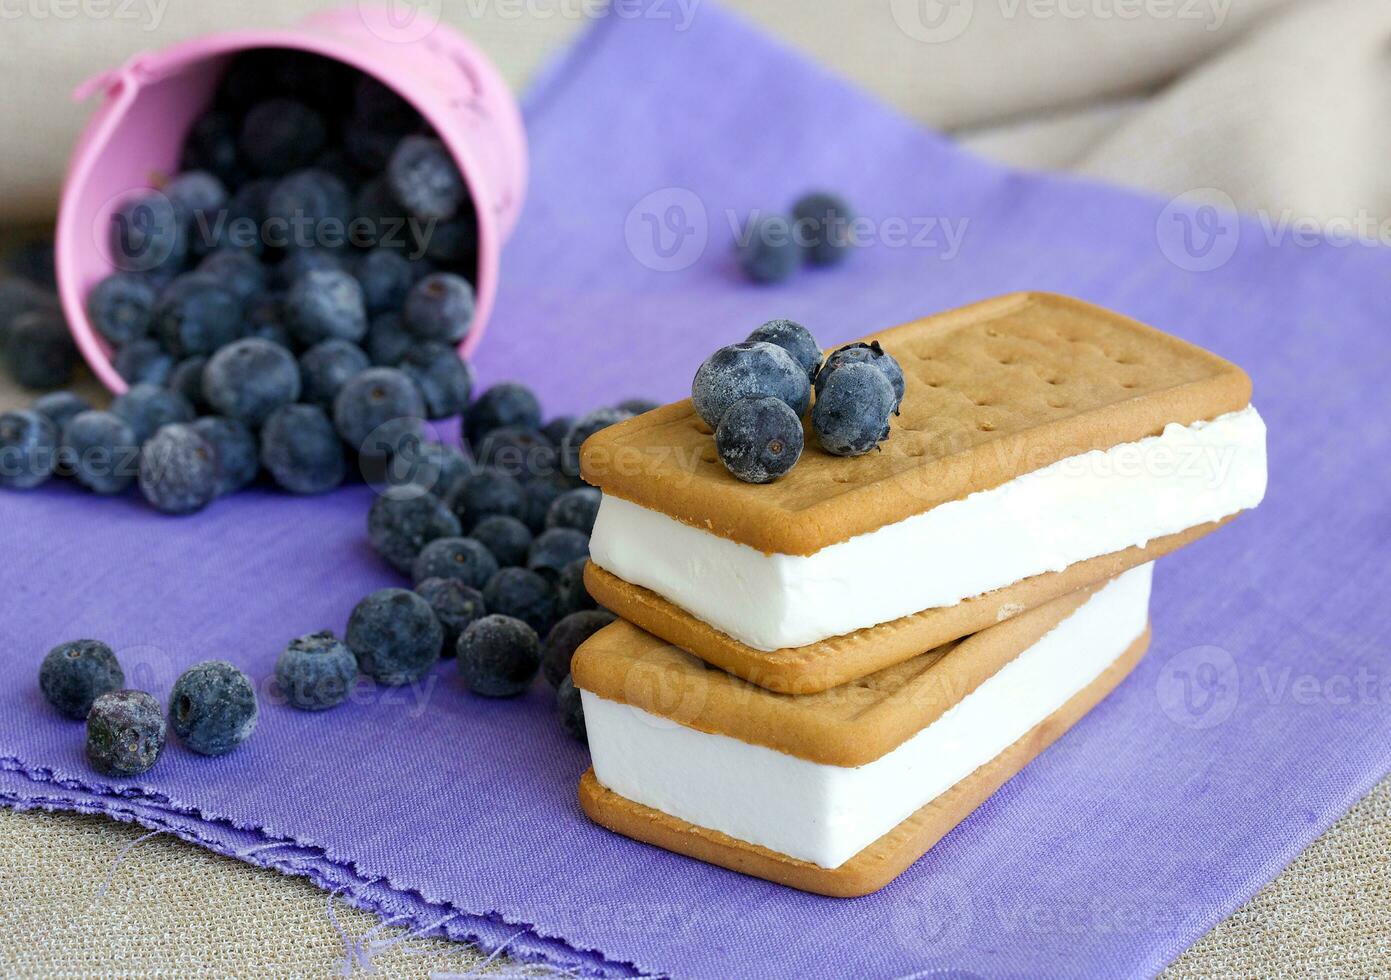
x=1278 y=104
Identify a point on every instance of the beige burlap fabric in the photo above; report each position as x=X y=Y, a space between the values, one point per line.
x=1185 y=95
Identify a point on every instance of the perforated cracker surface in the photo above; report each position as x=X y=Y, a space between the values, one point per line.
x=993 y=391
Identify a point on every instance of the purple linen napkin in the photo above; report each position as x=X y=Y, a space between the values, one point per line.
x=1258 y=717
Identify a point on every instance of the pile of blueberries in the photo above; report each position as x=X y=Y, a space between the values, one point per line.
x=754 y=395
x=820 y=231
x=289 y=302
x=495 y=547
x=496 y=551
x=36 y=348
x=212 y=707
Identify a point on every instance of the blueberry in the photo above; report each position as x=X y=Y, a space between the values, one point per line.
x=852 y=410
x=238 y=271
x=507 y=538
x=759 y=439
x=570 y=594
x=186 y=380
x=400 y=525
x=59 y=406
x=178 y=470
x=146 y=408
x=555 y=429
x=211 y=144
x=386 y=277
x=431 y=466
x=483 y=493
x=143 y=361
x=748 y=370
x=575 y=509
x=302 y=261
x=824 y=227
x=565 y=638
x=125 y=733
x=424 y=178
x=242 y=227
x=265 y=319
x=638 y=406
x=325 y=303
x=75 y=674
x=147 y=232
x=445 y=380
x=316 y=672
x=498 y=656
x=250 y=379
x=327 y=366
x=388 y=340
x=523 y=594
x=379 y=411
x=200 y=199
x=307 y=209
x=280 y=135
x=524 y=454
x=395 y=635
x=102 y=451
x=39 y=349
x=440 y=307
x=794 y=338
x=540 y=494
x=462 y=559
x=121 y=307
x=455 y=605
x=436 y=466
x=33 y=261
x=770 y=252
x=301 y=450
x=18 y=297
x=212 y=707
x=380 y=220
x=28 y=449
x=871 y=354
x=571 y=710
x=453 y=243
x=238 y=456
x=508 y=403
x=196 y=314
x=584 y=427
x=556 y=547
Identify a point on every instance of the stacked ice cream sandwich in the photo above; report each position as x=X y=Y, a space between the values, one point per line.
x=895 y=635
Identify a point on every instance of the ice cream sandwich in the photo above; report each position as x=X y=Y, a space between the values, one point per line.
x=838 y=792
x=1044 y=444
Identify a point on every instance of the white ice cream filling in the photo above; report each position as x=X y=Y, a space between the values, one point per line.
x=827 y=814
x=1087 y=505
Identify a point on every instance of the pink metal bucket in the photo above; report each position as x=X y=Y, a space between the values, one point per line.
x=134 y=139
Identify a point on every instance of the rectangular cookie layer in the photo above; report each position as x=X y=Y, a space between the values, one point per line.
x=883 y=860
x=993 y=391
x=841 y=659
x=839 y=545
x=819 y=778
